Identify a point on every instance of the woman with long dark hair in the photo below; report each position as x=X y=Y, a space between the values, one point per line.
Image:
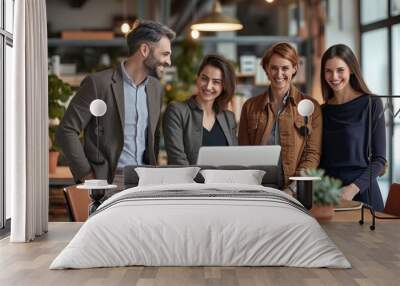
x=345 y=140
x=202 y=120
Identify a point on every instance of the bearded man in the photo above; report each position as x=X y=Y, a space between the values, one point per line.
x=128 y=133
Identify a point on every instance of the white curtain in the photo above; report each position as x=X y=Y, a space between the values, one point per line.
x=27 y=124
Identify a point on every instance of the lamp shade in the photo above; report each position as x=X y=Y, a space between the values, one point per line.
x=305 y=107
x=216 y=22
x=98 y=108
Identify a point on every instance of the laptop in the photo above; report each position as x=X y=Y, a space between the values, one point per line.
x=264 y=155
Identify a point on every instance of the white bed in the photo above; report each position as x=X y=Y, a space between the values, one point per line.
x=201 y=224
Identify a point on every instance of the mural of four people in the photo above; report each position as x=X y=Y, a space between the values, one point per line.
x=337 y=132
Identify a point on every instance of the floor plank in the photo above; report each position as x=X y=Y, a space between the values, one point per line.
x=375 y=257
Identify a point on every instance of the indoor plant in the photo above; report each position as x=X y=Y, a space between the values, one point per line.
x=187 y=58
x=326 y=194
x=59 y=94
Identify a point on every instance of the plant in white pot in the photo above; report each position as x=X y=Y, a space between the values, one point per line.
x=59 y=94
x=326 y=194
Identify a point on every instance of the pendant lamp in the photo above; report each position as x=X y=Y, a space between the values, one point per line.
x=216 y=21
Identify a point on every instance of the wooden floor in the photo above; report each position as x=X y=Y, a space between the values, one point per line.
x=374 y=255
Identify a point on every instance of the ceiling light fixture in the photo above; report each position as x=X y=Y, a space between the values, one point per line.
x=195 y=34
x=216 y=22
x=125 y=28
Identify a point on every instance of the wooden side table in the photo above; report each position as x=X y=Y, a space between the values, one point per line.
x=61 y=178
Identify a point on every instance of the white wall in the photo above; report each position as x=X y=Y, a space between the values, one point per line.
x=347 y=33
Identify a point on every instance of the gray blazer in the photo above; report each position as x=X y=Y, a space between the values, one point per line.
x=108 y=86
x=183 y=131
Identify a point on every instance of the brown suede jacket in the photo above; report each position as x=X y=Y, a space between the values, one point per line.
x=257 y=120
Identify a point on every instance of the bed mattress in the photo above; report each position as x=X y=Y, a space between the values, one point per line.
x=201 y=225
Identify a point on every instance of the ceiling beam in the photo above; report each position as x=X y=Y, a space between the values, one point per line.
x=76 y=3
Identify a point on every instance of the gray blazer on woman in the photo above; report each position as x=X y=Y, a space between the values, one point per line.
x=183 y=131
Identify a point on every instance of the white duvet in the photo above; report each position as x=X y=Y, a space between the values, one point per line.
x=206 y=230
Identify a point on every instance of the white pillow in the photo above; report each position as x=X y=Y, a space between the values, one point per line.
x=248 y=177
x=166 y=176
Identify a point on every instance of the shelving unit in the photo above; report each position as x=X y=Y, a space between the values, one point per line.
x=73 y=80
x=85 y=53
x=253 y=79
x=58 y=42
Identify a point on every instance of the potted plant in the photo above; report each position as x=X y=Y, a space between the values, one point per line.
x=187 y=58
x=59 y=93
x=326 y=194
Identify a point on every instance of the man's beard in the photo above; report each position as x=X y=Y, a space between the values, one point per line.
x=151 y=64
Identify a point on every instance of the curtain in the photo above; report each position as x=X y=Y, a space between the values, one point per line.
x=27 y=124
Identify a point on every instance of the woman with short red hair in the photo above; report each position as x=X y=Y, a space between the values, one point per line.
x=271 y=118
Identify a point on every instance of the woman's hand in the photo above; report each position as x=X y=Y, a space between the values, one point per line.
x=349 y=192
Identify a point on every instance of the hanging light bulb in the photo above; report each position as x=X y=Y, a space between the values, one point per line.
x=269 y=1
x=216 y=21
x=195 y=34
x=125 y=28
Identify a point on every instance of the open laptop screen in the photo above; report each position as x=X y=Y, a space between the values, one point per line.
x=267 y=155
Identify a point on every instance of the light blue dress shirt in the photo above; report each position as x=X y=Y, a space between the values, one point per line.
x=136 y=121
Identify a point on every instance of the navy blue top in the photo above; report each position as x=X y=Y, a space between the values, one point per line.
x=345 y=145
x=214 y=137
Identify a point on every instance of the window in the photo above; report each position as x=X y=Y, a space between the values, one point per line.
x=380 y=57
x=395 y=8
x=373 y=10
x=396 y=68
x=396 y=102
x=8 y=74
x=6 y=44
x=375 y=65
x=9 y=15
x=2 y=195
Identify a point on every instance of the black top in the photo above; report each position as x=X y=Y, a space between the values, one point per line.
x=214 y=137
x=345 y=140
